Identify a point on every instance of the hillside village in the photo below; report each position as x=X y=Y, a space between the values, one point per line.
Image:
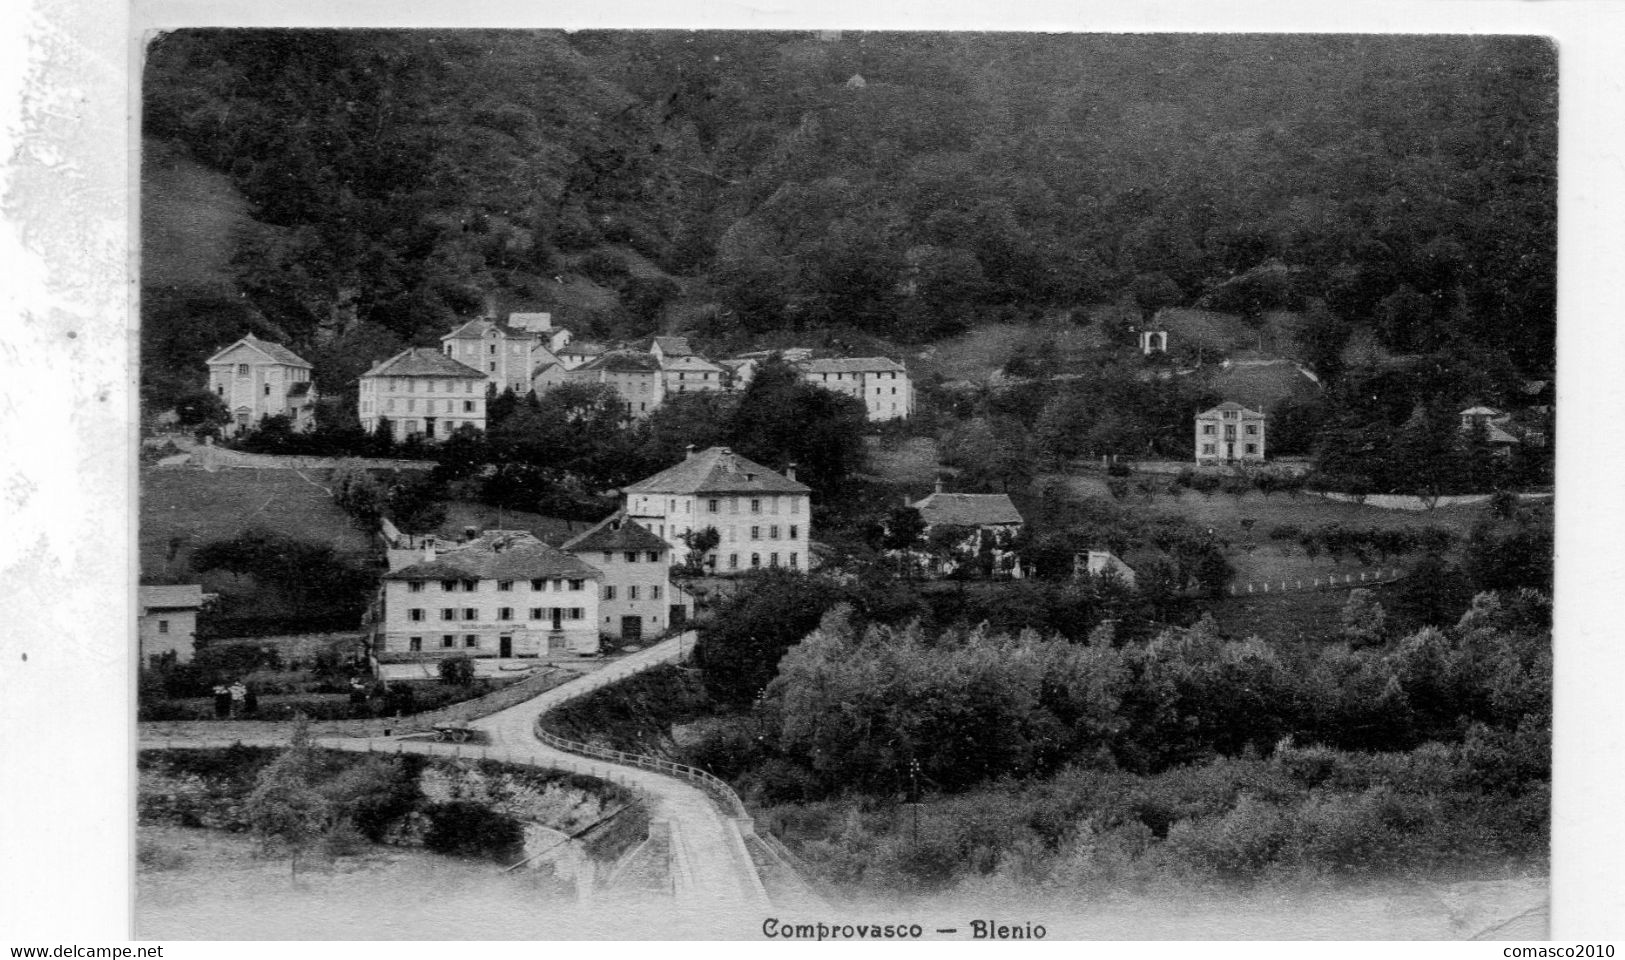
x=885 y=478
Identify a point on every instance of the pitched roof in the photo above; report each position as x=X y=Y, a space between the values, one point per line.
x=968 y=509
x=274 y=352
x=1229 y=405
x=717 y=470
x=672 y=346
x=1495 y=434
x=852 y=365
x=1481 y=412
x=615 y=533
x=499 y=555
x=180 y=596
x=477 y=327
x=423 y=362
x=582 y=348
x=622 y=361
x=689 y=362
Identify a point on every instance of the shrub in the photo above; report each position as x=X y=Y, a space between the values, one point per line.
x=1118 y=470
x=457 y=671
x=463 y=828
x=1205 y=483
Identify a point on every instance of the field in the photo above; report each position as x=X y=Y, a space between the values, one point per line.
x=912 y=461
x=976 y=355
x=183 y=509
x=1223 y=514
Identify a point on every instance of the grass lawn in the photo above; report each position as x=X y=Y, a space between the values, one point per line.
x=1284 y=617
x=183 y=509
x=912 y=461
x=1269 y=560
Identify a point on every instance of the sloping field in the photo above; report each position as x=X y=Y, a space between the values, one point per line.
x=977 y=354
x=190 y=219
x=1263 y=387
x=182 y=509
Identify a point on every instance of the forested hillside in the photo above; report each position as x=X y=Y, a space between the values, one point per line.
x=905 y=186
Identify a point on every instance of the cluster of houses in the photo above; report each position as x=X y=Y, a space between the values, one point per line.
x=431 y=393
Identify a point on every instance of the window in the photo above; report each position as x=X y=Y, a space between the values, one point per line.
x=711 y=506
x=576 y=613
x=414 y=644
x=505 y=613
x=1207 y=429
x=609 y=591
x=654 y=592
x=654 y=556
x=470 y=640
x=163 y=626
x=793 y=562
x=536 y=585
x=491 y=367
x=795 y=504
x=631 y=556
x=416 y=586
x=471 y=585
x=576 y=584
x=242 y=369
x=267 y=389
x=1207 y=448
x=536 y=613
x=756 y=506
x=632 y=592
x=1252 y=448
x=733 y=561
x=773 y=532
x=504 y=584
x=448 y=586
x=415 y=614
x=468 y=406
x=756 y=533
x=609 y=556
x=470 y=613
x=1252 y=429
x=794 y=530
x=220 y=390
x=447 y=613
x=755 y=559
x=448 y=641
x=773 y=559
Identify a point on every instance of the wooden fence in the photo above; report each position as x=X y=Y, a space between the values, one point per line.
x=1366 y=578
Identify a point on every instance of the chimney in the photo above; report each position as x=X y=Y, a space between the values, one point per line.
x=790 y=471
x=428 y=550
x=688 y=452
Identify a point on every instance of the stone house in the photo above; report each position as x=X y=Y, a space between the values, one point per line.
x=166 y=620
x=763 y=518
x=256 y=379
x=421 y=391
x=577 y=353
x=990 y=513
x=636 y=377
x=1230 y=433
x=504 y=594
x=636 y=597
x=691 y=374
x=881 y=383
x=505 y=353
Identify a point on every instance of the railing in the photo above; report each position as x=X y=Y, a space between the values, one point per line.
x=1327 y=582
x=718 y=790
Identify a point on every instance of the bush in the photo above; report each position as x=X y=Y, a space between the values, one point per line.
x=1116 y=469
x=457 y=671
x=463 y=828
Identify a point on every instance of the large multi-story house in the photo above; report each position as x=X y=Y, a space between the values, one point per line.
x=636 y=598
x=692 y=374
x=636 y=377
x=256 y=379
x=1230 y=433
x=421 y=391
x=505 y=352
x=762 y=518
x=504 y=594
x=881 y=383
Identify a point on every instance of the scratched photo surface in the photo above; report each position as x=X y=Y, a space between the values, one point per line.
x=844 y=485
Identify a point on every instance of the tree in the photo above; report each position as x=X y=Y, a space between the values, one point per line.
x=1363 y=620
x=200 y=409
x=783 y=420
x=457 y=671
x=700 y=543
x=904 y=529
x=740 y=647
x=285 y=811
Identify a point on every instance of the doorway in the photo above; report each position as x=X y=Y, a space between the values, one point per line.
x=558 y=618
x=632 y=628
x=505 y=647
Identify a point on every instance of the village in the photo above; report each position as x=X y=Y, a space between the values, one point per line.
x=899 y=514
